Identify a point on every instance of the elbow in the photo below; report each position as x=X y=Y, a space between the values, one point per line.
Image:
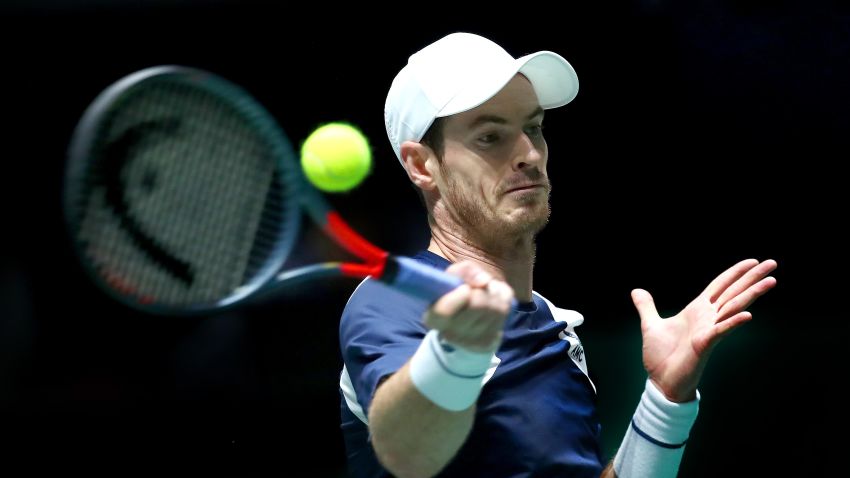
x=402 y=463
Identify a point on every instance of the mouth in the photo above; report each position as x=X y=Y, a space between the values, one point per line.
x=525 y=187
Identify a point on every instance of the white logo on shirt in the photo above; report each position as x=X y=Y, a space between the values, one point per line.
x=572 y=319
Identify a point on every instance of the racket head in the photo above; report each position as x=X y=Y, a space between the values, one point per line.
x=181 y=192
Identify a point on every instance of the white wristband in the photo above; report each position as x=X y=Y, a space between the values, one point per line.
x=448 y=375
x=655 y=440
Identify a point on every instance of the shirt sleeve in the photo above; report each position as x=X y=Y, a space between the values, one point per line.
x=380 y=330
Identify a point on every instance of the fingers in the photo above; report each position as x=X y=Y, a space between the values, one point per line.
x=471 y=273
x=472 y=318
x=645 y=306
x=472 y=315
x=728 y=277
x=751 y=277
x=503 y=293
x=480 y=324
x=723 y=328
x=743 y=300
x=447 y=306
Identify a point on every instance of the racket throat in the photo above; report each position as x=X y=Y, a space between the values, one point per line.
x=375 y=270
x=353 y=242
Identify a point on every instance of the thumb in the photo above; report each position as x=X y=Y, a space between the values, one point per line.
x=645 y=307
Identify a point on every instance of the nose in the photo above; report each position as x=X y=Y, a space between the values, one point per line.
x=529 y=152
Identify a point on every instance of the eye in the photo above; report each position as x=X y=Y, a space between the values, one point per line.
x=534 y=131
x=489 y=138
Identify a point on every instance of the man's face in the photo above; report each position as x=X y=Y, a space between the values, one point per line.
x=493 y=174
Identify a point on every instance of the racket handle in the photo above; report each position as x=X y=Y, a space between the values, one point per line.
x=417 y=279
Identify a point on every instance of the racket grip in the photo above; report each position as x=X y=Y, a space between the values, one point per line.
x=418 y=279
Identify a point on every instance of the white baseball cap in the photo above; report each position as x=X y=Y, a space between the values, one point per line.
x=462 y=71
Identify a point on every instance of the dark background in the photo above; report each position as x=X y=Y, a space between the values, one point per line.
x=702 y=135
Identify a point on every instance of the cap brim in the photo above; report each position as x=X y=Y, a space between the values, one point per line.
x=553 y=78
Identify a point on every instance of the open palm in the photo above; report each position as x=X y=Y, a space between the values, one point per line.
x=676 y=349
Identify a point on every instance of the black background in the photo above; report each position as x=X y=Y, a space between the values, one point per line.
x=702 y=135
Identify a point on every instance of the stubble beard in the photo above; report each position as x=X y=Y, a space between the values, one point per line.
x=495 y=233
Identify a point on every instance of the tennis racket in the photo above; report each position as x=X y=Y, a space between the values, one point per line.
x=183 y=195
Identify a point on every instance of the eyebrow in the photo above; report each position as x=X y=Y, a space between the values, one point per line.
x=484 y=119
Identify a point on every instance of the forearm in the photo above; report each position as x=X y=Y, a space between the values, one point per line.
x=412 y=436
x=421 y=416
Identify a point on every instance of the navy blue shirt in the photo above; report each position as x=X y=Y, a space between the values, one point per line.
x=535 y=416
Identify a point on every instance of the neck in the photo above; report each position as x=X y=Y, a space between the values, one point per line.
x=510 y=260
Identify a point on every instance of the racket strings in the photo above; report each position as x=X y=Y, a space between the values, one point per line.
x=185 y=203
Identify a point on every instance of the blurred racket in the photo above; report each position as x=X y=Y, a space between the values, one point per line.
x=183 y=195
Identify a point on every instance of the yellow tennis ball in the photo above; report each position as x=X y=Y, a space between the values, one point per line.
x=336 y=157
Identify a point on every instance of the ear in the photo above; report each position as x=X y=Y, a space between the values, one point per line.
x=416 y=158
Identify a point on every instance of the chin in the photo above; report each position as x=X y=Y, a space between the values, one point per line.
x=528 y=220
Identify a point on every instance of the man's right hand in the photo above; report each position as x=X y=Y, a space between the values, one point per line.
x=473 y=315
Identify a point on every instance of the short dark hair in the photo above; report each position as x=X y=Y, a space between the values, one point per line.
x=434 y=139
